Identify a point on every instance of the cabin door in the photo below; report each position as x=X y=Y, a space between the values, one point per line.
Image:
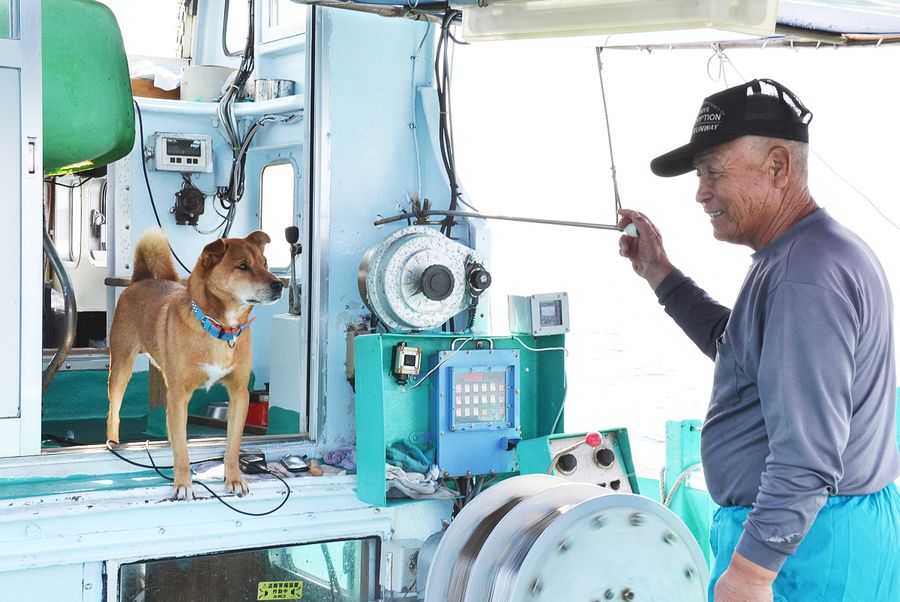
x=21 y=168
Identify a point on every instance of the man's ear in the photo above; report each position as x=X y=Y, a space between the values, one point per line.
x=213 y=253
x=780 y=166
x=259 y=238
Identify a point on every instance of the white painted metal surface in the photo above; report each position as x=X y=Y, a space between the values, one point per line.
x=21 y=176
x=621 y=544
x=10 y=180
x=287 y=382
x=535 y=537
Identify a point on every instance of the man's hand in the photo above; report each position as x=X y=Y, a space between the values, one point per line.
x=646 y=252
x=745 y=581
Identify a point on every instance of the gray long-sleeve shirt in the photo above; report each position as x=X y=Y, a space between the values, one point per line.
x=803 y=402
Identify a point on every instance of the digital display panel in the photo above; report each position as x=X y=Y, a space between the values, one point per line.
x=479 y=396
x=182 y=147
x=551 y=313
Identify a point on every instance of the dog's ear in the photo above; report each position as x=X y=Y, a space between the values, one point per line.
x=259 y=238
x=213 y=253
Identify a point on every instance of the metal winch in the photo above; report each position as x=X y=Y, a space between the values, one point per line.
x=417 y=279
x=536 y=537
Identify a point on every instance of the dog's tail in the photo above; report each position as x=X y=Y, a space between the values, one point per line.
x=153 y=258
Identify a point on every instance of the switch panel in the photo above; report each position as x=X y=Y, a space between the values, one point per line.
x=475 y=411
x=569 y=457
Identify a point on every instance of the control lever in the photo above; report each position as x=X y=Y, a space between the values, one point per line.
x=292 y=235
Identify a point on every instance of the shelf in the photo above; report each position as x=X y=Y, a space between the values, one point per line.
x=287 y=104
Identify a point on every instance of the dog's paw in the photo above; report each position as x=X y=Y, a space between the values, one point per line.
x=183 y=492
x=237 y=486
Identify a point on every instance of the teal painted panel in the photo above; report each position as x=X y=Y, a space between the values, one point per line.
x=534 y=455
x=649 y=487
x=387 y=412
x=156 y=416
x=81 y=395
x=87 y=104
x=283 y=421
x=77 y=398
x=73 y=485
x=693 y=506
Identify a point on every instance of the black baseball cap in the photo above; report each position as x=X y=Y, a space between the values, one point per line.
x=762 y=107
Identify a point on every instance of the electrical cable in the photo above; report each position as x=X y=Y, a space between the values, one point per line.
x=442 y=362
x=147 y=182
x=158 y=470
x=111 y=449
x=214 y=229
x=230 y=195
x=562 y=403
x=442 y=71
x=78 y=185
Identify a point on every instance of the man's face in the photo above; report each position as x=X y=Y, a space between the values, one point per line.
x=735 y=191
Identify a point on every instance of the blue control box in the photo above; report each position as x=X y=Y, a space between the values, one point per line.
x=475 y=411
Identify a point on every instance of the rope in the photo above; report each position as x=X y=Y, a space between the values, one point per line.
x=724 y=61
x=666 y=498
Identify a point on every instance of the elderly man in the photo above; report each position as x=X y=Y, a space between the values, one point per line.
x=799 y=444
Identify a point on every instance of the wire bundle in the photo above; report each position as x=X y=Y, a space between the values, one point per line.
x=442 y=77
x=230 y=195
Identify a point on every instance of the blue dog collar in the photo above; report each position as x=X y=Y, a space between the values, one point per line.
x=214 y=328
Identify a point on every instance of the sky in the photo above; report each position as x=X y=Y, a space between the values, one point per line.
x=531 y=141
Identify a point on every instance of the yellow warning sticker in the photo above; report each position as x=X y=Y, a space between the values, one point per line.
x=279 y=590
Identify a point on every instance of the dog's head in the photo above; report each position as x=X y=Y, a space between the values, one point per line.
x=236 y=268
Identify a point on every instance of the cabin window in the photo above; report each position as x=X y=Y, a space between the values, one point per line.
x=6 y=19
x=237 y=24
x=149 y=29
x=336 y=570
x=283 y=18
x=276 y=210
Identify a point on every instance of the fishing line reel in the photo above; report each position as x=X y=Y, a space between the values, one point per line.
x=417 y=279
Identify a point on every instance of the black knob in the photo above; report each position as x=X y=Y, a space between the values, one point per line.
x=479 y=279
x=605 y=457
x=567 y=463
x=437 y=282
x=292 y=234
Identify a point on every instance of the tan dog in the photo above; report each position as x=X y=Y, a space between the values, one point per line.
x=172 y=324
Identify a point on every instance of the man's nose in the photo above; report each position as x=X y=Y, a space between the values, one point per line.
x=704 y=191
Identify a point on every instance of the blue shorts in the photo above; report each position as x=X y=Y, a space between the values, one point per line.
x=851 y=552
